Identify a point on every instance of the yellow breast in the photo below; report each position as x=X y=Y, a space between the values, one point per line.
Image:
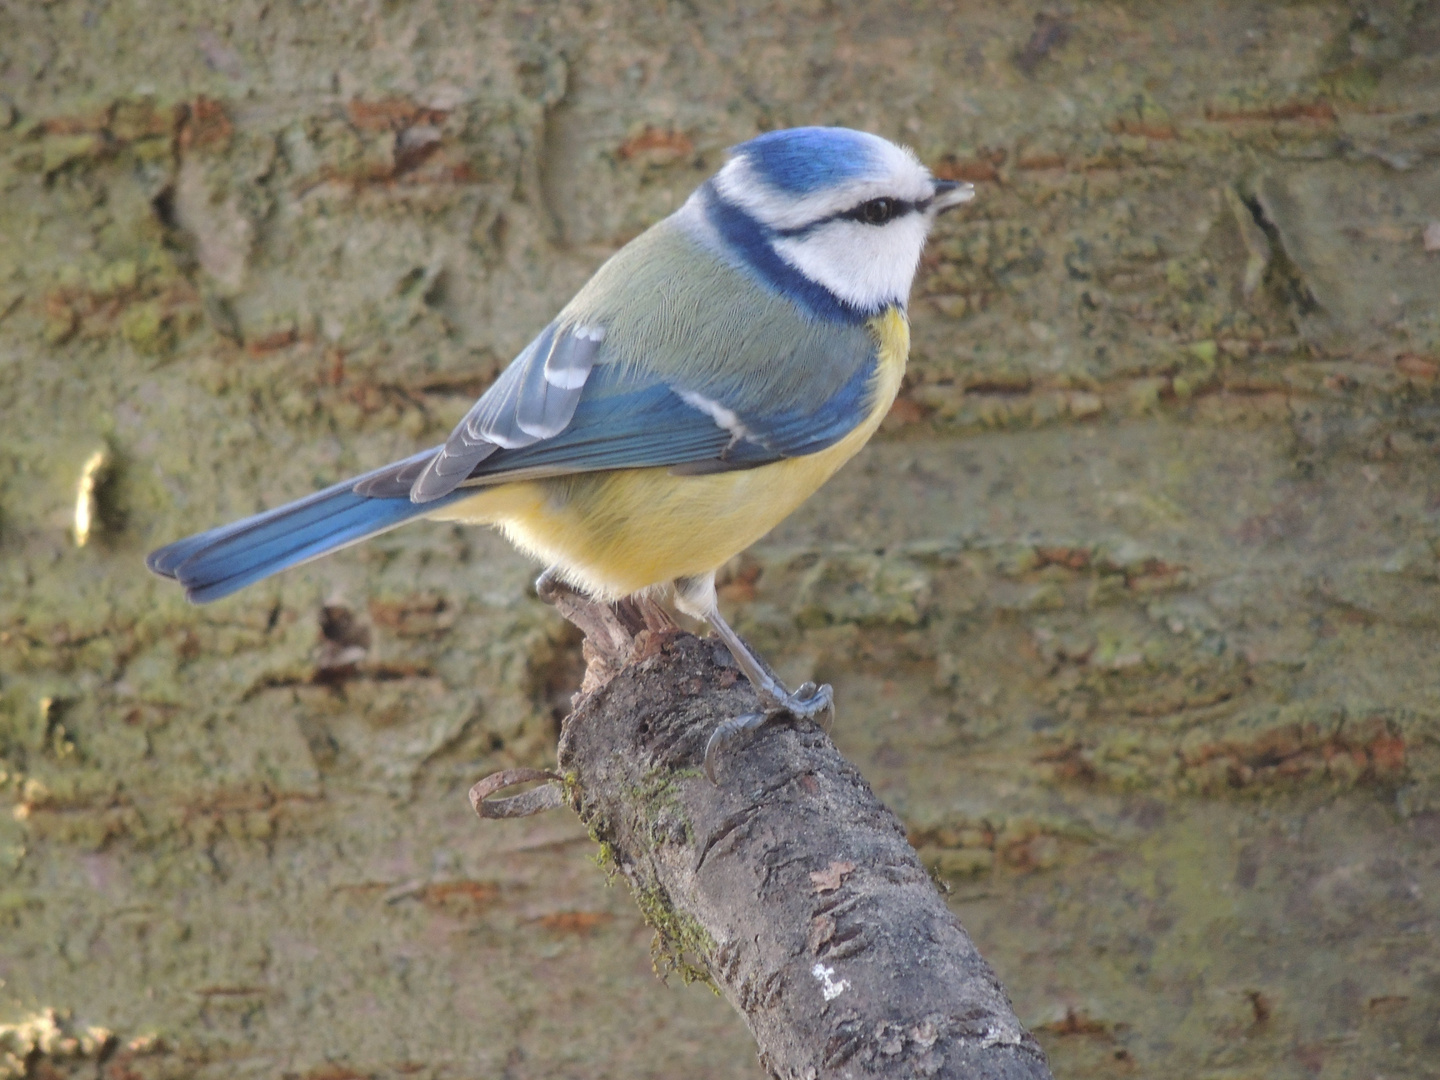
x=616 y=533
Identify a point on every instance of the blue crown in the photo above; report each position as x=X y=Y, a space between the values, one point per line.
x=800 y=161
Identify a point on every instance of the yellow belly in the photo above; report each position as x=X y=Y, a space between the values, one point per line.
x=619 y=532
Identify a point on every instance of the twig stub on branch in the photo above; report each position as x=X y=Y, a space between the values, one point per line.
x=790 y=886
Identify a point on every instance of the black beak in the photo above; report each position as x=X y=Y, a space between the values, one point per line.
x=950 y=194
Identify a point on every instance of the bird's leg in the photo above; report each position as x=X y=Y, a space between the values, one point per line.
x=807 y=702
x=696 y=596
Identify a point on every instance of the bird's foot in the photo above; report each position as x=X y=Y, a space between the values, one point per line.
x=807 y=702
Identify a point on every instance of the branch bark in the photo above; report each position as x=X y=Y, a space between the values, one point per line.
x=790 y=886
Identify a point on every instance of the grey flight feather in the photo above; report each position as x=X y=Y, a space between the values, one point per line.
x=395 y=481
x=533 y=399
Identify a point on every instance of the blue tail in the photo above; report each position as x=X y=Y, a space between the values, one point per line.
x=216 y=563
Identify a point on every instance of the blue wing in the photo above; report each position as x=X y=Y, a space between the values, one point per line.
x=661 y=424
x=600 y=413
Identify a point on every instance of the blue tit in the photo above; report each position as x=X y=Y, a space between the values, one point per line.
x=706 y=381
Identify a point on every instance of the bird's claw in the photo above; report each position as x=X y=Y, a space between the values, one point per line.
x=725 y=732
x=807 y=702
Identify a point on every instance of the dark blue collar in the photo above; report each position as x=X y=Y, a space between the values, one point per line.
x=751 y=243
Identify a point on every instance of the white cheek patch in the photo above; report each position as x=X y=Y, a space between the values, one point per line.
x=867 y=266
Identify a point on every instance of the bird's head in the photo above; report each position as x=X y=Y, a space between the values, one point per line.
x=844 y=210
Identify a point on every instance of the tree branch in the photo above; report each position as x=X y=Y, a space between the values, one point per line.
x=790 y=886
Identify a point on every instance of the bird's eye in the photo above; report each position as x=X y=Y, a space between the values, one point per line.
x=878 y=211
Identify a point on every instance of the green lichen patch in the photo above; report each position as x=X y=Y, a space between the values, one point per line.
x=682 y=945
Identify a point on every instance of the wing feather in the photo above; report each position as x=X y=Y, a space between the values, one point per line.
x=534 y=399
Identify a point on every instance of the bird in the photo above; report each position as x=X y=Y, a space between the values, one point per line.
x=711 y=376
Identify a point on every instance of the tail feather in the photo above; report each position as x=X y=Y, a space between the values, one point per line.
x=218 y=562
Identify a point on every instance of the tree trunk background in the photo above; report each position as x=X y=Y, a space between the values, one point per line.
x=1131 y=609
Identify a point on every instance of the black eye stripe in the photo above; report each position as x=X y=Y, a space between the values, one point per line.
x=896 y=208
x=879 y=211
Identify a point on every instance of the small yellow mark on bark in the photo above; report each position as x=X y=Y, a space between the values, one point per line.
x=85 y=496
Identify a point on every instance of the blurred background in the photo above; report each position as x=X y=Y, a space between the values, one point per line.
x=1132 y=609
